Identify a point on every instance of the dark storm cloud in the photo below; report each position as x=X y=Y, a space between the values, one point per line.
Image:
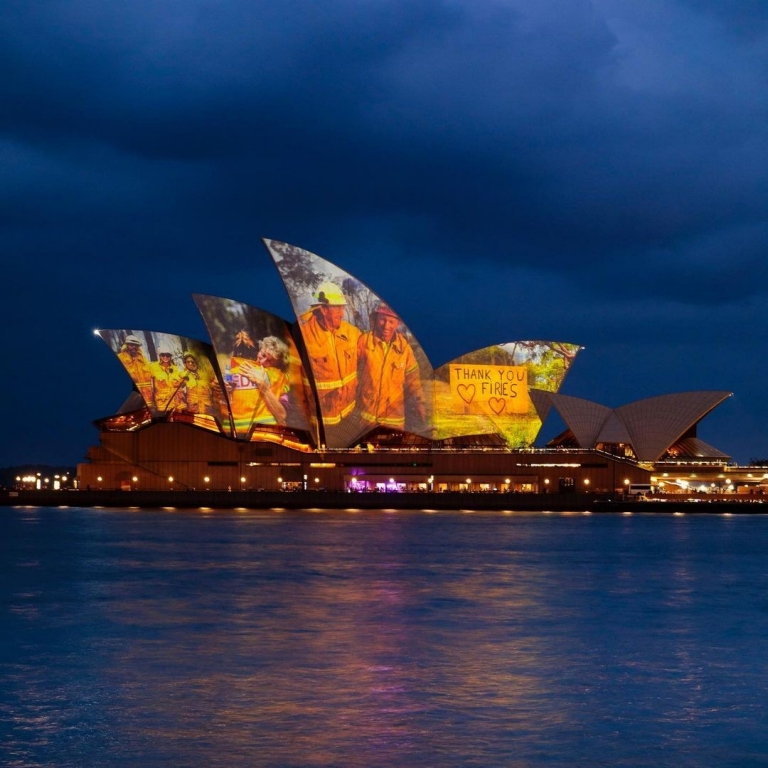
x=505 y=117
x=481 y=120
x=581 y=151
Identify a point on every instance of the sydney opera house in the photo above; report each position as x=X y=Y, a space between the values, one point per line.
x=344 y=398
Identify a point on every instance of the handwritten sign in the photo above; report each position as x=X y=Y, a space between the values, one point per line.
x=492 y=390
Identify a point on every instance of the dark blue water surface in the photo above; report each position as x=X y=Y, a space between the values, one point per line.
x=273 y=638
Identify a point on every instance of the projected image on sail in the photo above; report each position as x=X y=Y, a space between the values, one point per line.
x=487 y=391
x=369 y=370
x=264 y=379
x=175 y=375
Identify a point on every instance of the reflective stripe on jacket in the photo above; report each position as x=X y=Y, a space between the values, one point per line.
x=333 y=359
x=166 y=386
x=389 y=376
x=138 y=370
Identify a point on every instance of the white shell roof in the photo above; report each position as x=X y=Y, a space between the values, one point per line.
x=650 y=426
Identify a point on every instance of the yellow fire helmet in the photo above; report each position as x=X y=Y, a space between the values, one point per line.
x=329 y=294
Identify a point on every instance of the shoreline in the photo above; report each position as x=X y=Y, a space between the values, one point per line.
x=453 y=501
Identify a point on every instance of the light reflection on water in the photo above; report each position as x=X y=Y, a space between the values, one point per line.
x=355 y=638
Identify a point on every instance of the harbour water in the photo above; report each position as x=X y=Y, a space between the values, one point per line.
x=343 y=638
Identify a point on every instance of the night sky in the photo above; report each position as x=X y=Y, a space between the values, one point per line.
x=589 y=172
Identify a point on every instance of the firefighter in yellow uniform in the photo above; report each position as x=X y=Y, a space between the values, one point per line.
x=200 y=386
x=390 y=383
x=135 y=363
x=167 y=382
x=258 y=389
x=331 y=344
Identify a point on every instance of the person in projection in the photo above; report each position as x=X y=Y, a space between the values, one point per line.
x=167 y=381
x=132 y=358
x=331 y=344
x=200 y=386
x=259 y=388
x=390 y=381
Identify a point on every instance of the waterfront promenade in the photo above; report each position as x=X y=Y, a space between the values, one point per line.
x=575 y=502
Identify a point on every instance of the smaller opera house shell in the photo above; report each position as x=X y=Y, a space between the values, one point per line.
x=345 y=398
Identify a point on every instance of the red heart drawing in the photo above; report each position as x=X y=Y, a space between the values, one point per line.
x=497 y=404
x=466 y=392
